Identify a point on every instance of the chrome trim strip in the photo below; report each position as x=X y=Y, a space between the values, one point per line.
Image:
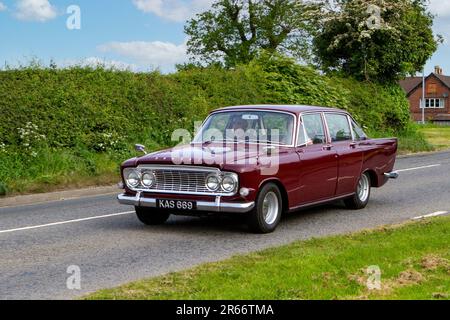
x=186 y=193
x=311 y=204
x=179 y=167
x=217 y=206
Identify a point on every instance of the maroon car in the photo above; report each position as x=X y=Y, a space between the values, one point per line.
x=261 y=162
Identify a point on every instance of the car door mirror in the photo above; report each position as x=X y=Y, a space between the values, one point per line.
x=140 y=148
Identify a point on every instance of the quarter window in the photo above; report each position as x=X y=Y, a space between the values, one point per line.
x=301 y=138
x=315 y=133
x=339 y=127
x=358 y=132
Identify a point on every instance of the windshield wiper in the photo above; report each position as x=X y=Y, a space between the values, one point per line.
x=207 y=143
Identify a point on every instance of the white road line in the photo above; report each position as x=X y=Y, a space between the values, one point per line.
x=431 y=215
x=66 y=222
x=419 y=168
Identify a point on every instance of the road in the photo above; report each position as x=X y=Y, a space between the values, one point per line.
x=39 y=242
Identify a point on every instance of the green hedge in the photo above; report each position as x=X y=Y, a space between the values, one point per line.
x=85 y=120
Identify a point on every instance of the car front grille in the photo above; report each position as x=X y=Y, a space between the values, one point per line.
x=180 y=179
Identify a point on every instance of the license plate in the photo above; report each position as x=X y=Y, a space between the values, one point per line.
x=176 y=204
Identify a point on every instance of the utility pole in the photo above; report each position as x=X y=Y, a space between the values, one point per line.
x=423 y=96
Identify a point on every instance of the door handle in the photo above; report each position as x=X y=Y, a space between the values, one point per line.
x=328 y=147
x=353 y=145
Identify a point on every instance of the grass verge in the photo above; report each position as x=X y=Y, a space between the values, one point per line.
x=438 y=136
x=413 y=259
x=56 y=170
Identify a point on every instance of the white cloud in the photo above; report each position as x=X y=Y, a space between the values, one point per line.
x=440 y=8
x=156 y=54
x=441 y=25
x=175 y=10
x=35 y=10
x=2 y=6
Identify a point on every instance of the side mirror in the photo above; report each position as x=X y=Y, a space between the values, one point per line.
x=140 y=148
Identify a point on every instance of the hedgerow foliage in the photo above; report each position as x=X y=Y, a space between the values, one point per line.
x=54 y=121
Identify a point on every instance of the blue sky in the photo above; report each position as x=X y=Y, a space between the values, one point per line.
x=139 y=34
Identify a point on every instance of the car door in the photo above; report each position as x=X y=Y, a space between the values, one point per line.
x=350 y=154
x=318 y=160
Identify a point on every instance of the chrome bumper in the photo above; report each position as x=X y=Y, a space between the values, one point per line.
x=217 y=206
x=392 y=175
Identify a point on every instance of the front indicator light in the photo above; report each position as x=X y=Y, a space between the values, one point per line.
x=244 y=192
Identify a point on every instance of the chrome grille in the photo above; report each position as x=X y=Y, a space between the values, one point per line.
x=180 y=179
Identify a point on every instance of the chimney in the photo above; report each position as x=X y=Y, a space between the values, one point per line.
x=438 y=70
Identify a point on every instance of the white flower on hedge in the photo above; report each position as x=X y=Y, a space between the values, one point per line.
x=30 y=135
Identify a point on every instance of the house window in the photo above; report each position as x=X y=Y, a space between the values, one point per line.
x=432 y=88
x=431 y=103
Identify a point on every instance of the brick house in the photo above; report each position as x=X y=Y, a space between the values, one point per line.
x=437 y=91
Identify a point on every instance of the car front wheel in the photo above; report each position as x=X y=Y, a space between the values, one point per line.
x=266 y=215
x=151 y=216
x=362 y=194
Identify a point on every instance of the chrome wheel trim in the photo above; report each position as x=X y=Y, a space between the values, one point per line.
x=363 y=188
x=270 y=208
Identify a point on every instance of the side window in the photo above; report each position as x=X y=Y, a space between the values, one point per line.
x=358 y=132
x=315 y=133
x=283 y=123
x=339 y=127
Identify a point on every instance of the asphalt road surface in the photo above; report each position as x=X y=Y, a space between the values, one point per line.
x=38 y=243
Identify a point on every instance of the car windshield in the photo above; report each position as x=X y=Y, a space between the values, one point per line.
x=248 y=126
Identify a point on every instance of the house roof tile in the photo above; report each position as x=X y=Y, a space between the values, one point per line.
x=411 y=83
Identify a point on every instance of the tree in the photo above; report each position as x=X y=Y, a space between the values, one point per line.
x=233 y=31
x=381 y=40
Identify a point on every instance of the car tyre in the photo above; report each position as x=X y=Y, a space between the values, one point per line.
x=266 y=215
x=151 y=216
x=362 y=194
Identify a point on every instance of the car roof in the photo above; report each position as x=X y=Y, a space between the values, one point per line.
x=296 y=109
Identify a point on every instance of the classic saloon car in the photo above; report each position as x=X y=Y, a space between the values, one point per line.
x=261 y=162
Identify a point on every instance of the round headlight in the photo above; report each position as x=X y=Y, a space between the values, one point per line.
x=132 y=179
x=228 y=183
x=148 y=179
x=213 y=182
